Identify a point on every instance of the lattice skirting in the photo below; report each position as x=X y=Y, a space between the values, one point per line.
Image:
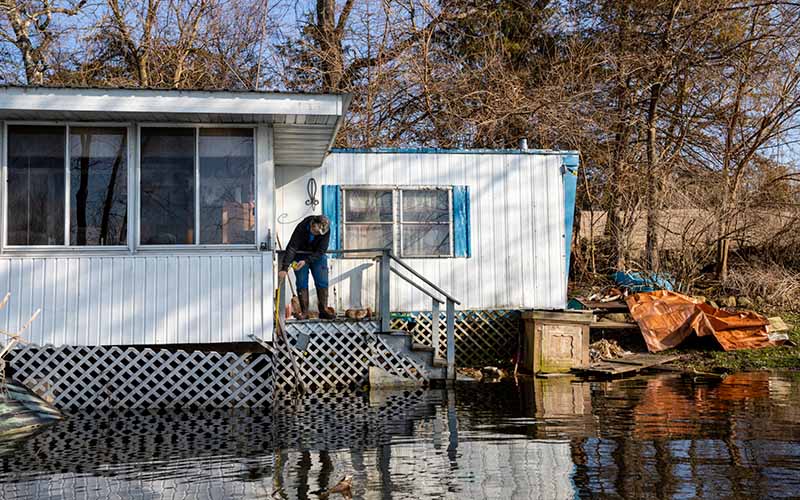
x=338 y=355
x=76 y=377
x=330 y=355
x=483 y=337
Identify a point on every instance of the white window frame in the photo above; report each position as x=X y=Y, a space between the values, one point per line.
x=66 y=247
x=183 y=247
x=397 y=216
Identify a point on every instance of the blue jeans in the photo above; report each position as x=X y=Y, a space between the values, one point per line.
x=319 y=269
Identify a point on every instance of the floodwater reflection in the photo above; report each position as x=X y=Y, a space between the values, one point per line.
x=651 y=437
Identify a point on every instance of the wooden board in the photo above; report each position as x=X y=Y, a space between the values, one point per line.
x=611 y=306
x=613 y=325
x=630 y=364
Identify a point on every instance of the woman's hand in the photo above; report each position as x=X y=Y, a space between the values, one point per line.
x=299 y=265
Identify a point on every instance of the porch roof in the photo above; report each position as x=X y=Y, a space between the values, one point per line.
x=304 y=124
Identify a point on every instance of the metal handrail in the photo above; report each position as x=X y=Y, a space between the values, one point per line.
x=423 y=278
x=384 y=258
x=415 y=285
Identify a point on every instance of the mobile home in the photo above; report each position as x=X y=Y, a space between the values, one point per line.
x=152 y=217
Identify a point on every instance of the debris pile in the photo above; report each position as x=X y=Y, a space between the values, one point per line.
x=666 y=318
x=606 y=349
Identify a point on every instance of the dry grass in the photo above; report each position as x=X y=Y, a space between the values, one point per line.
x=773 y=286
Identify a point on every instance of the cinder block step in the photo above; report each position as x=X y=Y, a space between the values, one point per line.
x=439 y=362
x=416 y=346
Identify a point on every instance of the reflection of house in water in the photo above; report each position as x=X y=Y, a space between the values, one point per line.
x=674 y=436
x=636 y=438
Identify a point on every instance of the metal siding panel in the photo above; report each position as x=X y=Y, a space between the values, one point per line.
x=524 y=241
x=5 y=282
x=71 y=299
x=539 y=219
x=160 y=289
x=105 y=326
x=140 y=303
x=175 y=285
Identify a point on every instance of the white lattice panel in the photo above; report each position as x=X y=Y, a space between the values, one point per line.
x=330 y=355
x=75 y=377
x=338 y=354
x=483 y=337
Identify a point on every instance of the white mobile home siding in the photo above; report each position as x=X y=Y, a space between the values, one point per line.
x=143 y=299
x=516 y=218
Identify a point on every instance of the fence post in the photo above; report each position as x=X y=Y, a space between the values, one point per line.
x=386 y=302
x=451 y=343
x=435 y=327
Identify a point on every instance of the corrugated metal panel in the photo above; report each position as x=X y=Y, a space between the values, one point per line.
x=143 y=299
x=517 y=218
x=300 y=142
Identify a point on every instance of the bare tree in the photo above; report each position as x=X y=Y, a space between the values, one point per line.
x=28 y=25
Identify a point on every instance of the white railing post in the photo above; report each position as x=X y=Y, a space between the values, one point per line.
x=386 y=300
x=451 y=343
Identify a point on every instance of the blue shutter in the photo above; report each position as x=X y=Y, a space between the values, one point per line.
x=461 y=228
x=331 y=208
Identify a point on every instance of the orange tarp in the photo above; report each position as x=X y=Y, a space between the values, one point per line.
x=668 y=318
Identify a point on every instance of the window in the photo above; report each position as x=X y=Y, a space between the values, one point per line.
x=98 y=186
x=227 y=197
x=198 y=186
x=425 y=222
x=368 y=219
x=55 y=198
x=167 y=186
x=36 y=205
x=420 y=227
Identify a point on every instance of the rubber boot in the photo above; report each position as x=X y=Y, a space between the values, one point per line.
x=322 y=299
x=303 y=296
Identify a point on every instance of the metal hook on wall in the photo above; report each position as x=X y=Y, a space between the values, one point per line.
x=311 y=189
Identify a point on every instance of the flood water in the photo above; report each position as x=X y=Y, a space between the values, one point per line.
x=662 y=436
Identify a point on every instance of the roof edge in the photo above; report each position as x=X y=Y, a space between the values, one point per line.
x=454 y=151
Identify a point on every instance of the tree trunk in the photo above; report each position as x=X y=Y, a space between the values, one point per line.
x=653 y=189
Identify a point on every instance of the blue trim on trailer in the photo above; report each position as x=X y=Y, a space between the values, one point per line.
x=456 y=151
x=331 y=207
x=461 y=223
x=570 y=178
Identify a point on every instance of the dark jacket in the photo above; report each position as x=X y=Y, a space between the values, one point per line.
x=301 y=247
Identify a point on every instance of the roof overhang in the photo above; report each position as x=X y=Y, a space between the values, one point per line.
x=304 y=125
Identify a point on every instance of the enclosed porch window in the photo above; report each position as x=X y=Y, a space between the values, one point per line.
x=67 y=186
x=197 y=186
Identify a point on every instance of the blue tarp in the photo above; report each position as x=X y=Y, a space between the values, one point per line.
x=638 y=282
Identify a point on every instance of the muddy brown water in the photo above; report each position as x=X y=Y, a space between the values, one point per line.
x=662 y=436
